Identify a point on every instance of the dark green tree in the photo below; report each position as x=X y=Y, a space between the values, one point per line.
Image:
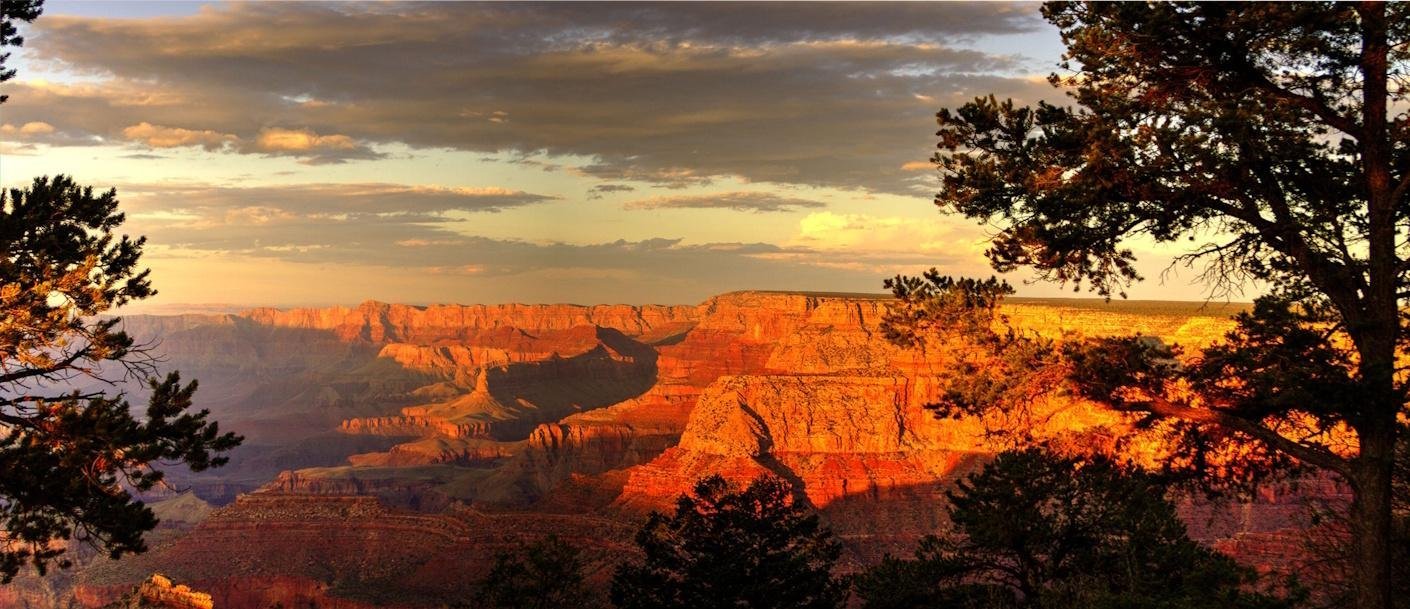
x=12 y=11
x=1037 y=531
x=546 y=574
x=71 y=457
x=758 y=548
x=1274 y=139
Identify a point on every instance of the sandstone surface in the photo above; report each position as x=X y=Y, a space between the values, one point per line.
x=349 y=552
x=158 y=592
x=506 y=423
x=380 y=322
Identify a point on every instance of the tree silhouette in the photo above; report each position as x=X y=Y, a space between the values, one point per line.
x=543 y=575
x=757 y=548
x=10 y=12
x=71 y=456
x=1273 y=138
x=1033 y=530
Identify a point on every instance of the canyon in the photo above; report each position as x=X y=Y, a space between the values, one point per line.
x=392 y=450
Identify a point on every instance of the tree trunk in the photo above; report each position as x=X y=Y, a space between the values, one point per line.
x=1371 y=524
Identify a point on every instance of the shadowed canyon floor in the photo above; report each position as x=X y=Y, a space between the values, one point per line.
x=394 y=449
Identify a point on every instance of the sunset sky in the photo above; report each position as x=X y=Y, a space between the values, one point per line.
x=308 y=154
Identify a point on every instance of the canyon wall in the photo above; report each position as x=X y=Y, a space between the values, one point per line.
x=349 y=552
x=511 y=422
x=842 y=413
x=380 y=322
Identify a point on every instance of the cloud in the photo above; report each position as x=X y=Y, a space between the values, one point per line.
x=24 y=136
x=26 y=130
x=863 y=245
x=493 y=270
x=859 y=233
x=157 y=136
x=349 y=228
x=738 y=201
x=604 y=271
x=300 y=140
x=312 y=147
x=598 y=191
x=210 y=204
x=122 y=110
x=676 y=94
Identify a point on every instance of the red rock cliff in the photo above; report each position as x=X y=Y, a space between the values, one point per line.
x=380 y=322
x=798 y=385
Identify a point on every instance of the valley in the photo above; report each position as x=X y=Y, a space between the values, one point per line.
x=392 y=450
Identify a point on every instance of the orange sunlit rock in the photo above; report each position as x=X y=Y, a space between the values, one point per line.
x=576 y=421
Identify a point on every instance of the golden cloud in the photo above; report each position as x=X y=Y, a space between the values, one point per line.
x=301 y=140
x=159 y=136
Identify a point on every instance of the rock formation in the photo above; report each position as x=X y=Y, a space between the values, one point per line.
x=158 y=592
x=516 y=421
x=379 y=322
x=352 y=552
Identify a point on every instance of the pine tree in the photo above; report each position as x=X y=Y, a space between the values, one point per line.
x=758 y=548
x=70 y=458
x=1274 y=140
x=546 y=574
x=1037 y=531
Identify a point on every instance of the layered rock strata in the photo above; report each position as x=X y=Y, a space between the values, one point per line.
x=380 y=322
x=533 y=420
x=158 y=592
x=349 y=552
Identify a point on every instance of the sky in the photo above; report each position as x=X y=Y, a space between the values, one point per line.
x=297 y=154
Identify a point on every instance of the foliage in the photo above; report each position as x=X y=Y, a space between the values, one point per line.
x=935 y=302
x=10 y=12
x=991 y=368
x=69 y=455
x=758 y=548
x=1275 y=139
x=1033 y=530
x=1189 y=117
x=543 y=575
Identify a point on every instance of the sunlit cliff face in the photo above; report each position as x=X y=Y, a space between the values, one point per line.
x=457 y=430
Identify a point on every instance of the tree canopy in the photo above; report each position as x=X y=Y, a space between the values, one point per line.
x=725 y=548
x=1274 y=140
x=1034 y=530
x=546 y=574
x=71 y=456
x=10 y=12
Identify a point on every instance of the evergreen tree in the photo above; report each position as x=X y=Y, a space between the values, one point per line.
x=546 y=574
x=71 y=457
x=10 y=12
x=1274 y=139
x=757 y=549
x=1036 y=531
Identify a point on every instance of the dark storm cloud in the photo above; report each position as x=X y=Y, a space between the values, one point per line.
x=738 y=201
x=819 y=94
